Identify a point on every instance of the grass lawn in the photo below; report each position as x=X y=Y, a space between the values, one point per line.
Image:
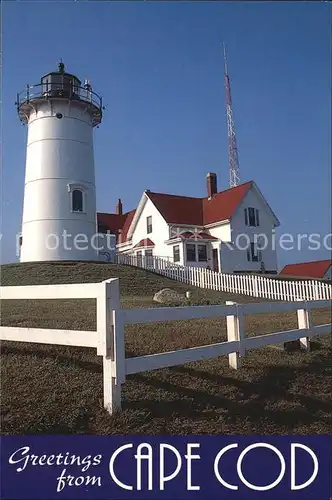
x=57 y=389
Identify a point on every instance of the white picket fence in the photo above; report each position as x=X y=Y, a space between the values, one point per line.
x=109 y=337
x=253 y=285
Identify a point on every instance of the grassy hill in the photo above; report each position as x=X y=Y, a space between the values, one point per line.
x=134 y=282
x=55 y=389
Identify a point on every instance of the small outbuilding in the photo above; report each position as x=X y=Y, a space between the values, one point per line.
x=315 y=269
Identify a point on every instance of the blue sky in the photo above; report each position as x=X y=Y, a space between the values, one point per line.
x=159 y=68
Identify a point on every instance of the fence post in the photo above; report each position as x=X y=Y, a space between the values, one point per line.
x=111 y=343
x=235 y=331
x=304 y=321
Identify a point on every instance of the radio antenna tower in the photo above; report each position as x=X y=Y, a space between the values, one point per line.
x=234 y=170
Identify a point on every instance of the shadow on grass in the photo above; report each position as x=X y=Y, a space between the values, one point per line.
x=252 y=397
x=267 y=402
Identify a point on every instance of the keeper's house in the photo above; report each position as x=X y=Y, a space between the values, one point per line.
x=217 y=231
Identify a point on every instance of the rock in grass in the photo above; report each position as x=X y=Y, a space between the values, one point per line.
x=169 y=296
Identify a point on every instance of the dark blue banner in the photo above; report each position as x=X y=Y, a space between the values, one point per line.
x=166 y=467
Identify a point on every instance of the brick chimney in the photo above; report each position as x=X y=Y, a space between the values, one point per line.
x=119 y=207
x=211 y=180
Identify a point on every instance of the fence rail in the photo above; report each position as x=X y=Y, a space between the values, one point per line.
x=109 y=336
x=252 y=285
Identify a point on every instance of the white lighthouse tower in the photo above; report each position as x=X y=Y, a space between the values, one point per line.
x=59 y=210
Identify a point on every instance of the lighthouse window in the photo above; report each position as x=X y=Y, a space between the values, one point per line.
x=77 y=200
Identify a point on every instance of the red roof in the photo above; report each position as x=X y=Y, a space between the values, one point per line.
x=145 y=243
x=223 y=205
x=126 y=225
x=182 y=210
x=315 y=269
x=117 y=224
x=178 y=209
x=113 y=222
x=206 y=236
x=199 y=211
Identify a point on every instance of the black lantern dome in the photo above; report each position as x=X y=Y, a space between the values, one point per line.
x=59 y=85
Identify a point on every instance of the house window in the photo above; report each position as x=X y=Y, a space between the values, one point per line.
x=191 y=252
x=139 y=258
x=253 y=253
x=246 y=216
x=251 y=217
x=202 y=253
x=77 y=200
x=149 y=257
x=257 y=217
x=176 y=253
x=149 y=224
